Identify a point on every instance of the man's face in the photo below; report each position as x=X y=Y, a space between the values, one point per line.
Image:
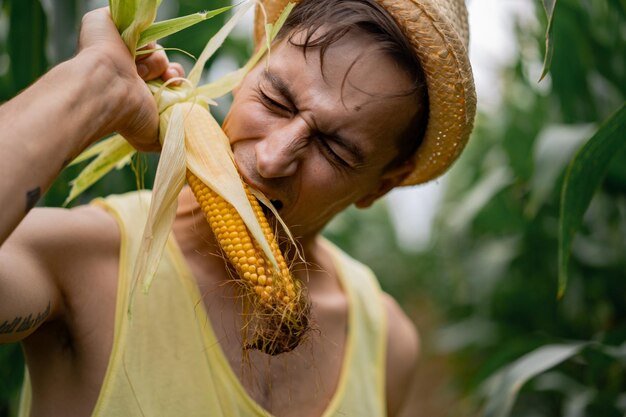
x=315 y=142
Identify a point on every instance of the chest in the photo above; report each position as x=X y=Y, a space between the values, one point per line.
x=301 y=382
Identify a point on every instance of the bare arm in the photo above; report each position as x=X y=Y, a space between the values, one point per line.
x=95 y=93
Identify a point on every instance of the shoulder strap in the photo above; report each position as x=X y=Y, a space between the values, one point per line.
x=363 y=390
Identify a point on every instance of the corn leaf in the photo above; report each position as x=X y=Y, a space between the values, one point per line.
x=504 y=386
x=165 y=28
x=116 y=155
x=169 y=180
x=212 y=161
x=215 y=42
x=549 y=6
x=583 y=177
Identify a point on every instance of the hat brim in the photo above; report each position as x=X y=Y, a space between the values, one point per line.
x=437 y=31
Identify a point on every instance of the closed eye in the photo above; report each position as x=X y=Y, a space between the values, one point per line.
x=273 y=104
x=328 y=150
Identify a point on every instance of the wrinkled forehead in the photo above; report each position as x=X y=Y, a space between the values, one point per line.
x=354 y=63
x=352 y=88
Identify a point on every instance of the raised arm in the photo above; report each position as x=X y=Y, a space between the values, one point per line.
x=95 y=93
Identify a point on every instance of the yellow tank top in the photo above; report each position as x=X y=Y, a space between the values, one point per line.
x=166 y=360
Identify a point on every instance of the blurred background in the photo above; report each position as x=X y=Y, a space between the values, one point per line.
x=472 y=257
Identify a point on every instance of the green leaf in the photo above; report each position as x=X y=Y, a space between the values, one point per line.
x=132 y=17
x=123 y=12
x=584 y=175
x=504 y=386
x=554 y=148
x=549 y=6
x=26 y=42
x=165 y=28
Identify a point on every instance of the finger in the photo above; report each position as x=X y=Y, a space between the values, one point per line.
x=153 y=66
x=174 y=70
x=97 y=27
x=150 y=46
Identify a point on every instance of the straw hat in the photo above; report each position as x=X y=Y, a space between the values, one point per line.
x=438 y=32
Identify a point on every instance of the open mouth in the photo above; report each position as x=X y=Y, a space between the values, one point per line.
x=267 y=211
x=277 y=204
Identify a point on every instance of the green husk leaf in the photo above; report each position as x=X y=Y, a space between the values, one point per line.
x=132 y=17
x=214 y=43
x=165 y=28
x=116 y=155
x=228 y=82
x=276 y=26
x=169 y=180
x=97 y=148
x=123 y=13
x=212 y=161
x=149 y=51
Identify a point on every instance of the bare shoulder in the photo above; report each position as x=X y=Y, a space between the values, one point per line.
x=51 y=253
x=69 y=243
x=402 y=354
x=57 y=234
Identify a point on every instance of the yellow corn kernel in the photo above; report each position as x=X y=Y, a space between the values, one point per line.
x=277 y=319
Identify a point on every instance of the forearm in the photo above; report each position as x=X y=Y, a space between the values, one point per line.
x=46 y=126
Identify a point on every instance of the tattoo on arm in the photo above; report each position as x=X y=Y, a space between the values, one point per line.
x=22 y=324
x=32 y=197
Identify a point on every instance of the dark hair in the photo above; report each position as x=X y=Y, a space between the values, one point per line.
x=338 y=17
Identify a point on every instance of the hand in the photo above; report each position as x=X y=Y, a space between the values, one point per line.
x=133 y=112
x=156 y=65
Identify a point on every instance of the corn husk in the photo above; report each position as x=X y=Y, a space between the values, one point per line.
x=211 y=160
x=169 y=180
x=113 y=153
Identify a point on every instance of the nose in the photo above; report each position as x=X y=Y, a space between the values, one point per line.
x=280 y=152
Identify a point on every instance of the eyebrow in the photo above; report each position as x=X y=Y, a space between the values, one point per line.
x=278 y=84
x=281 y=87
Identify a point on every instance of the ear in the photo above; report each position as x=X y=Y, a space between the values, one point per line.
x=388 y=180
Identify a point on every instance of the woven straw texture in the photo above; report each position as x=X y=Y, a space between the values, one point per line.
x=438 y=32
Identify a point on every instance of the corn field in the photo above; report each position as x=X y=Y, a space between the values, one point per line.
x=520 y=297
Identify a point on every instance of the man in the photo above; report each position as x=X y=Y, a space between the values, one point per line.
x=339 y=115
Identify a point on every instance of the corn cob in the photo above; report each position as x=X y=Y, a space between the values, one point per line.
x=279 y=309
